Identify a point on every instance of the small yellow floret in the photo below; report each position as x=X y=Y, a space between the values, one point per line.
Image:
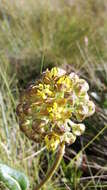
x=52 y=141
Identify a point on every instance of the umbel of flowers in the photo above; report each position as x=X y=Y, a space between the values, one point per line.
x=52 y=109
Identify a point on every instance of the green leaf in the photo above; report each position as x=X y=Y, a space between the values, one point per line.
x=13 y=179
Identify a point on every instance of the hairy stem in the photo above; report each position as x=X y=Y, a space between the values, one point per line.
x=54 y=167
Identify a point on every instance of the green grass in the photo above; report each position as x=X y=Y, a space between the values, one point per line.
x=35 y=35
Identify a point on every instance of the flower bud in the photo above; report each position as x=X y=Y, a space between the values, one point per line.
x=61 y=72
x=91 y=108
x=78 y=129
x=69 y=137
x=74 y=78
x=81 y=111
x=81 y=86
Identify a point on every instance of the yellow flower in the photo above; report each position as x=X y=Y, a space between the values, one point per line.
x=54 y=72
x=44 y=91
x=56 y=112
x=49 y=75
x=52 y=140
x=65 y=82
x=41 y=94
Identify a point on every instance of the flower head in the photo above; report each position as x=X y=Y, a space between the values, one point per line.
x=48 y=108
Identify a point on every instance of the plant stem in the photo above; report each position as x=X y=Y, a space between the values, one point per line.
x=54 y=167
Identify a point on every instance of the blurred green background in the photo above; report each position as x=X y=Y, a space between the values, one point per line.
x=35 y=35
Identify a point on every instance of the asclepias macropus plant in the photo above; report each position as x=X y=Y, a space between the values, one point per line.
x=52 y=110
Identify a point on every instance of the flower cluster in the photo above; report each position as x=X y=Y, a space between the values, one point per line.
x=49 y=108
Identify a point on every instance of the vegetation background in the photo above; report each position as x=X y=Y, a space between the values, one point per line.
x=35 y=35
